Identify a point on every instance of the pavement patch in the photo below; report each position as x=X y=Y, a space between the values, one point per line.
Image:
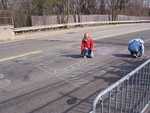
x=105 y=50
x=4 y=83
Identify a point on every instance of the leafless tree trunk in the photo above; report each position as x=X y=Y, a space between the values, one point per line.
x=102 y=7
x=116 y=7
x=4 y=4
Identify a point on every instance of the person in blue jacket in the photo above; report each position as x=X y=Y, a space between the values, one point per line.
x=136 y=47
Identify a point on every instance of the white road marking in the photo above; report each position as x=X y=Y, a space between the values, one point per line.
x=21 y=55
x=2 y=76
x=12 y=41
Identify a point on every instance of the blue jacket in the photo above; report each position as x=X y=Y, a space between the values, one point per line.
x=136 y=45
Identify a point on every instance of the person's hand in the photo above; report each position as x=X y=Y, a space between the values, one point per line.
x=94 y=49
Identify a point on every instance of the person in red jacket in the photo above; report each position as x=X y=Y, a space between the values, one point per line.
x=87 y=46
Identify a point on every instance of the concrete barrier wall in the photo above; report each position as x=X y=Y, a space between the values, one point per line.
x=50 y=20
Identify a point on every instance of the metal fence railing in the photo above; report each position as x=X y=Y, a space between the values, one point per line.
x=131 y=94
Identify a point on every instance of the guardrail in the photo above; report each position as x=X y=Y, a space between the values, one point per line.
x=131 y=94
x=69 y=25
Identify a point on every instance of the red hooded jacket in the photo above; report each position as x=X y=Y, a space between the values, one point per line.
x=89 y=43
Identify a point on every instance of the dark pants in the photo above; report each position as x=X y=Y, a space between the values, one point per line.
x=136 y=49
x=137 y=53
x=87 y=52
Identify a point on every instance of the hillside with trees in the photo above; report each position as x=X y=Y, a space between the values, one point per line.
x=23 y=10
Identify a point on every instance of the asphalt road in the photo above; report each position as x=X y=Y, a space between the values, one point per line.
x=48 y=76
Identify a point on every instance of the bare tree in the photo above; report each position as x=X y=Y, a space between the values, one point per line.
x=38 y=7
x=115 y=7
x=22 y=12
x=136 y=7
x=64 y=9
x=4 y=4
x=102 y=7
x=75 y=10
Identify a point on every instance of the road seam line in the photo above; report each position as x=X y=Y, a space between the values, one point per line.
x=20 y=56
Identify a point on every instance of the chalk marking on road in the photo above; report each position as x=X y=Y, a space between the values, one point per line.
x=5 y=83
x=22 y=55
x=146 y=40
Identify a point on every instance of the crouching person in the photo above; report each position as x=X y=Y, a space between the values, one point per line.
x=87 y=46
x=136 y=47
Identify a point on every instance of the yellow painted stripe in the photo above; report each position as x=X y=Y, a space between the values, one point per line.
x=19 y=56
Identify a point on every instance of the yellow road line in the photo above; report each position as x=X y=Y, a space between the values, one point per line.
x=19 y=56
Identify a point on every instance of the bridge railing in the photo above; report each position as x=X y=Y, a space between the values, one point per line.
x=131 y=94
x=71 y=25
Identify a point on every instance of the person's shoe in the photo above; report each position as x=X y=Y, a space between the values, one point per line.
x=139 y=54
x=135 y=55
x=85 y=57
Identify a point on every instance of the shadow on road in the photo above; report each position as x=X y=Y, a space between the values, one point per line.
x=116 y=71
x=123 y=55
x=73 y=55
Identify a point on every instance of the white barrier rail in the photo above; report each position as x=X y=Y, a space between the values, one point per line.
x=128 y=95
x=69 y=25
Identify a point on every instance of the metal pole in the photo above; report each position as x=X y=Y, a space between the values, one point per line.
x=121 y=101
x=109 y=103
x=126 y=96
x=116 y=95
